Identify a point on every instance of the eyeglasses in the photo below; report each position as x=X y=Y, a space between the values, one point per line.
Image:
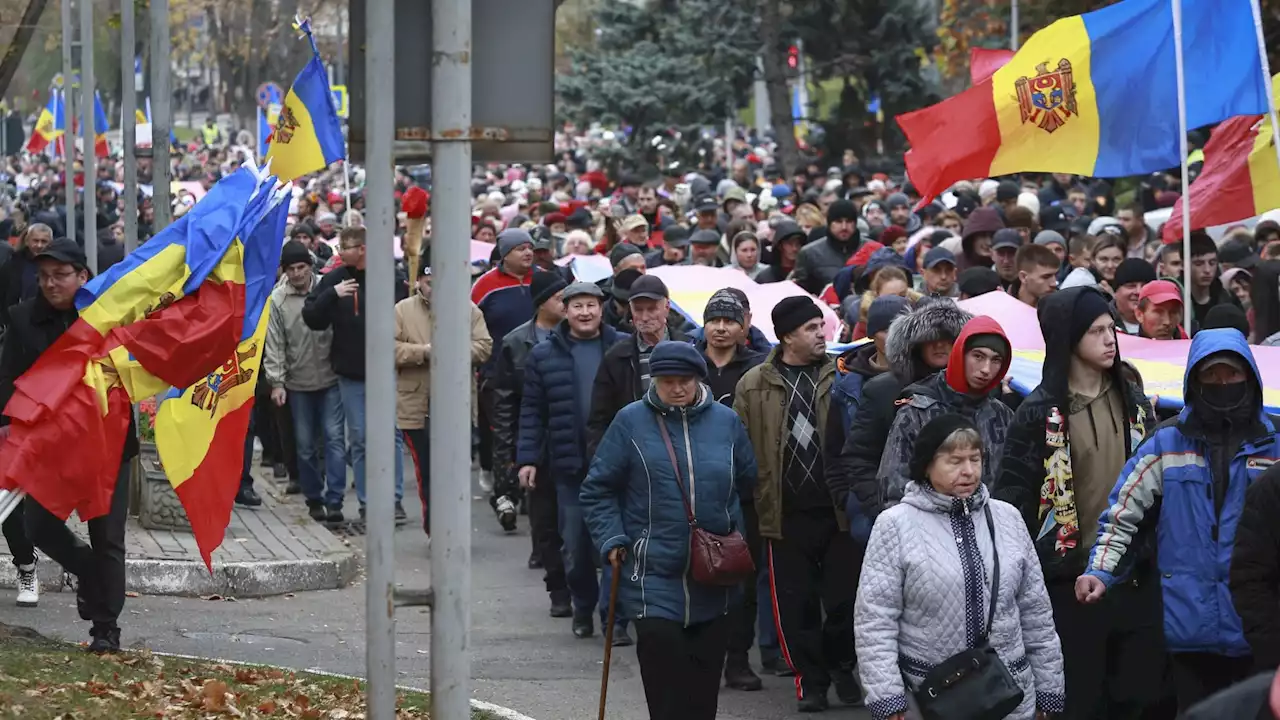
x=56 y=276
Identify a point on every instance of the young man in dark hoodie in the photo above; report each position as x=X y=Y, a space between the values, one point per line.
x=820 y=260
x=1070 y=439
x=970 y=386
x=979 y=233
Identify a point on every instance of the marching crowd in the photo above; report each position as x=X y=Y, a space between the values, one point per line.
x=893 y=525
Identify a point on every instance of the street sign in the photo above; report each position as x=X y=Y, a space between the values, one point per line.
x=340 y=100
x=269 y=92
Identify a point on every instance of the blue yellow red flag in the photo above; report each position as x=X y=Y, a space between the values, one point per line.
x=1093 y=94
x=100 y=146
x=49 y=124
x=307 y=136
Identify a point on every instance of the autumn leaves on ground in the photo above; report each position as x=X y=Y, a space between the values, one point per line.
x=43 y=679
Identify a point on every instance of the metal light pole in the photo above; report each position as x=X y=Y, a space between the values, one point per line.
x=161 y=119
x=129 y=126
x=68 y=118
x=451 y=365
x=88 y=135
x=380 y=397
x=1013 y=25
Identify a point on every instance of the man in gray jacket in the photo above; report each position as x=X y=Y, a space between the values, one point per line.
x=297 y=367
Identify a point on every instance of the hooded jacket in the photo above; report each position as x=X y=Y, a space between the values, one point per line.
x=618 y=382
x=1035 y=474
x=819 y=261
x=1255 y=570
x=853 y=475
x=1173 y=487
x=948 y=392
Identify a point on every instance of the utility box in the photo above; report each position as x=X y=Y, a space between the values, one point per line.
x=512 y=81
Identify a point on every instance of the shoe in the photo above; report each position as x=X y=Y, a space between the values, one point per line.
x=361 y=516
x=401 y=516
x=248 y=497
x=847 y=687
x=776 y=666
x=813 y=702
x=583 y=625
x=535 y=562
x=738 y=674
x=621 y=638
x=333 y=515
x=293 y=488
x=561 y=604
x=106 y=639
x=486 y=481
x=28 y=586
x=317 y=511
x=506 y=513
x=524 y=505
x=279 y=470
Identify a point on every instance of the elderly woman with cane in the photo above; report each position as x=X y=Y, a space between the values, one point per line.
x=662 y=503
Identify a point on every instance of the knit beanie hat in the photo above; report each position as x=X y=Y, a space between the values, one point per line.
x=622 y=283
x=977 y=281
x=510 y=239
x=990 y=341
x=930 y=439
x=1050 y=237
x=1226 y=316
x=620 y=252
x=294 y=252
x=672 y=357
x=544 y=285
x=841 y=210
x=891 y=233
x=897 y=200
x=1132 y=270
x=1090 y=306
x=882 y=312
x=792 y=312
x=724 y=305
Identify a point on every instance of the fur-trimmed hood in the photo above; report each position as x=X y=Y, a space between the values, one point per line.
x=932 y=319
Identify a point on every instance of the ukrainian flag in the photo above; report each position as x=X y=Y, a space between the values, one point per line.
x=49 y=124
x=307 y=136
x=1095 y=95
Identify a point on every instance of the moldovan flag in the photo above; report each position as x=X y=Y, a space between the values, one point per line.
x=1240 y=177
x=201 y=429
x=1094 y=95
x=167 y=314
x=48 y=124
x=307 y=136
x=100 y=147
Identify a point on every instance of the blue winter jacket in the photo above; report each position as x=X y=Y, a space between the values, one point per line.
x=755 y=339
x=631 y=500
x=550 y=429
x=1172 y=471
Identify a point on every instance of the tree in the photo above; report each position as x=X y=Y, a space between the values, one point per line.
x=774 y=62
x=662 y=67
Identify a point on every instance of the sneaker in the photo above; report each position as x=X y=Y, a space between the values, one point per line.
x=486 y=481
x=28 y=586
x=847 y=687
x=506 y=513
x=333 y=515
x=813 y=702
x=738 y=674
x=535 y=562
x=401 y=516
x=621 y=638
x=248 y=497
x=106 y=639
x=362 y=516
x=561 y=604
x=583 y=625
x=317 y=511
x=293 y=488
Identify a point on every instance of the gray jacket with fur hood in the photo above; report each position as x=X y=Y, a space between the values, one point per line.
x=941 y=548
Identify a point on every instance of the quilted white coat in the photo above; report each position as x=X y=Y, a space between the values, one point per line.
x=924 y=593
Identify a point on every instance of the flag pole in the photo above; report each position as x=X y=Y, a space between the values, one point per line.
x=1187 y=313
x=1266 y=75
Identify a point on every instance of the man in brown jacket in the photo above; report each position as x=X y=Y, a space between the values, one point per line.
x=413 y=378
x=808 y=550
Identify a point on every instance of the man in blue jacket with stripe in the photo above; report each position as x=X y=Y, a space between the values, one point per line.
x=1181 y=496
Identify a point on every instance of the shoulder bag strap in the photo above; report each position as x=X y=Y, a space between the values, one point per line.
x=675 y=467
x=995 y=575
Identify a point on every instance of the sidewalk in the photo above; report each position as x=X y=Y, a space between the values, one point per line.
x=269 y=550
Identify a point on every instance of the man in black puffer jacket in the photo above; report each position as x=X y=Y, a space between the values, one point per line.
x=1255 y=569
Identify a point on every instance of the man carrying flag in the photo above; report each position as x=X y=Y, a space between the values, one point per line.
x=307 y=136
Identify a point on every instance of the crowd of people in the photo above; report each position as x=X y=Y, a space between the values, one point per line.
x=901 y=506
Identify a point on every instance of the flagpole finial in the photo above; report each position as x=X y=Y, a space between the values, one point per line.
x=302 y=25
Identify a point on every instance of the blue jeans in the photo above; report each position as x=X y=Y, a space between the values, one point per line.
x=353 y=406
x=580 y=555
x=317 y=414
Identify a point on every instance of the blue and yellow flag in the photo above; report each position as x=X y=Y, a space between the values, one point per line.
x=307 y=136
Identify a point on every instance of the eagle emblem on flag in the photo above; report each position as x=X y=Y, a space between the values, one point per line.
x=1047 y=99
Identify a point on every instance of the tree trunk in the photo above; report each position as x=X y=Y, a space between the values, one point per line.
x=21 y=39
x=775 y=81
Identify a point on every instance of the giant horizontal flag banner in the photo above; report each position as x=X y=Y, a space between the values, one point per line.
x=1094 y=95
x=167 y=315
x=49 y=124
x=1240 y=177
x=691 y=286
x=307 y=136
x=200 y=427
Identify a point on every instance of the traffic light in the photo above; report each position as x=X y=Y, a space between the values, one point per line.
x=793 y=57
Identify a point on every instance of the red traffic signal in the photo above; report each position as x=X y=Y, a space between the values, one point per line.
x=793 y=57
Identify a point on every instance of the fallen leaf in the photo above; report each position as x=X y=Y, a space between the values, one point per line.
x=214 y=694
x=268 y=707
x=131 y=594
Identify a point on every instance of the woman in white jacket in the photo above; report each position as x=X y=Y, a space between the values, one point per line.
x=925 y=588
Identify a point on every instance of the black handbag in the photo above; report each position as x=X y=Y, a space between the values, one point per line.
x=974 y=684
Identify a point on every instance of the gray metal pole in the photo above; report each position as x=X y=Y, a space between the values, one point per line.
x=451 y=364
x=129 y=126
x=88 y=133
x=1013 y=25
x=161 y=116
x=69 y=118
x=380 y=372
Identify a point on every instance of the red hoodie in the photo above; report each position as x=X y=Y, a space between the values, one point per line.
x=981 y=325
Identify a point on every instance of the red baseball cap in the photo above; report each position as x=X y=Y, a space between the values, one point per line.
x=1160 y=291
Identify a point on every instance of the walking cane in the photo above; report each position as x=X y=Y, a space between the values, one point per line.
x=608 y=633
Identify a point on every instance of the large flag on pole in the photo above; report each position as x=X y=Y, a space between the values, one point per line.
x=1094 y=95
x=1240 y=177
x=49 y=125
x=307 y=136
x=100 y=146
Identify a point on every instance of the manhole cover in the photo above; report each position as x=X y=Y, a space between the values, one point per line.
x=246 y=638
x=350 y=528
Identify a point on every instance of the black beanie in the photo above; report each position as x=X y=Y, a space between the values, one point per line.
x=930 y=439
x=1226 y=316
x=544 y=285
x=841 y=210
x=792 y=312
x=1132 y=270
x=1090 y=306
x=622 y=251
x=294 y=252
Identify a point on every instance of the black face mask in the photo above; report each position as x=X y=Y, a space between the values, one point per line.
x=1233 y=399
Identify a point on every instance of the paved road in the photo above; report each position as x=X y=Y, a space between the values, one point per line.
x=522 y=658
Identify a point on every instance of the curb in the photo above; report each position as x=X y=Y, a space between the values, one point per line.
x=503 y=712
x=184 y=578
